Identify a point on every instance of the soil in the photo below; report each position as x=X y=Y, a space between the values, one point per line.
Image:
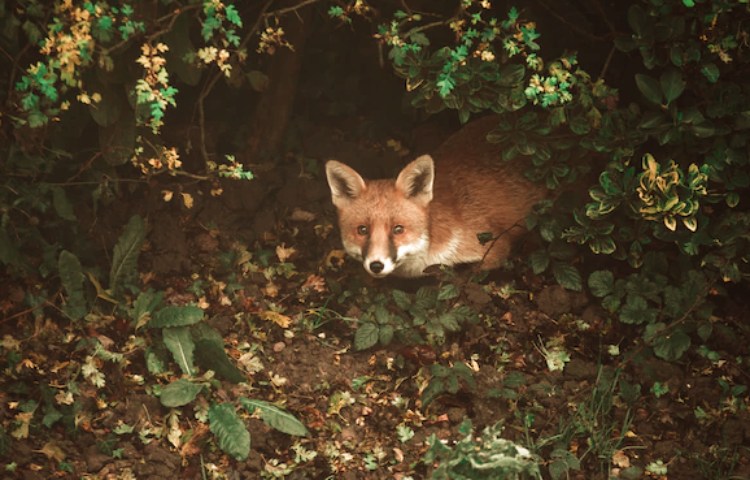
x=692 y=415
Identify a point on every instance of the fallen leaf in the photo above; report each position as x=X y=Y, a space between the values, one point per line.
x=621 y=460
x=299 y=215
x=316 y=283
x=335 y=259
x=278 y=318
x=284 y=253
x=53 y=452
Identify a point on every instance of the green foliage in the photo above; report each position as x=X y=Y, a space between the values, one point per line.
x=447 y=380
x=179 y=393
x=275 y=417
x=427 y=315
x=71 y=277
x=124 y=269
x=179 y=341
x=230 y=431
x=488 y=456
x=671 y=163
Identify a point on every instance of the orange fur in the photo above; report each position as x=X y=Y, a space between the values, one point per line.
x=432 y=215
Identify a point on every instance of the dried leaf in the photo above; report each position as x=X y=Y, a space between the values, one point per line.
x=284 y=253
x=299 y=215
x=621 y=460
x=278 y=318
x=315 y=282
x=53 y=452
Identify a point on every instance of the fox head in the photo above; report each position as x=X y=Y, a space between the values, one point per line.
x=383 y=223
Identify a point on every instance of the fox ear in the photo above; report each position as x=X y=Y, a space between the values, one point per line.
x=416 y=179
x=345 y=183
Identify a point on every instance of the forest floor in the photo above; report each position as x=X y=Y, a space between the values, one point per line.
x=560 y=376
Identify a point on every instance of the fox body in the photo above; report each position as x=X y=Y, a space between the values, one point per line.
x=432 y=212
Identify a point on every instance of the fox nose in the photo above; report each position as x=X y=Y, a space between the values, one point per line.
x=376 y=266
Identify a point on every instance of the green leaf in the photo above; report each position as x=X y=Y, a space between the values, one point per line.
x=117 y=141
x=385 y=334
x=176 y=316
x=212 y=356
x=448 y=291
x=366 y=336
x=539 y=261
x=601 y=283
x=180 y=343
x=143 y=307
x=230 y=431
x=649 y=87
x=71 y=277
x=671 y=347
x=711 y=72
x=636 y=311
x=125 y=257
x=567 y=276
x=179 y=393
x=275 y=417
x=672 y=84
x=402 y=299
x=511 y=75
x=62 y=205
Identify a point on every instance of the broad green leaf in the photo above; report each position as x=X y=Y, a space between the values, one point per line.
x=176 y=316
x=9 y=254
x=230 y=431
x=125 y=257
x=448 y=292
x=402 y=299
x=672 y=84
x=511 y=75
x=671 y=347
x=180 y=343
x=117 y=141
x=366 y=336
x=179 y=393
x=611 y=303
x=649 y=87
x=212 y=356
x=639 y=21
x=275 y=417
x=711 y=72
x=63 y=207
x=601 y=283
x=539 y=261
x=71 y=277
x=449 y=321
x=143 y=306
x=567 y=276
x=385 y=334
x=636 y=311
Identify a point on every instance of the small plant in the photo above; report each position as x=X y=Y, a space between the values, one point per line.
x=488 y=456
x=426 y=316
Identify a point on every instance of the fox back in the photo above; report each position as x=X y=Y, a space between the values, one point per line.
x=433 y=211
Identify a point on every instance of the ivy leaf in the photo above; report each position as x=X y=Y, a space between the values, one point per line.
x=649 y=87
x=601 y=283
x=275 y=417
x=366 y=336
x=567 y=276
x=230 y=431
x=180 y=343
x=636 y=311
x=179 y=393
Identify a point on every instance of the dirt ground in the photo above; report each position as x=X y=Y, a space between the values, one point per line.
x=614 y=405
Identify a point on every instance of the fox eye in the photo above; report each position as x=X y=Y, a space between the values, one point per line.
x=398 y=229
x=363 y=230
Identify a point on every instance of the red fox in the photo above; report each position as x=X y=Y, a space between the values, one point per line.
x=431 y=214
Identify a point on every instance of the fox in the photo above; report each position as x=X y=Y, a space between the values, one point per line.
x=433 y=211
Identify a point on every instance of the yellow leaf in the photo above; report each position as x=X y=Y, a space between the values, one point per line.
x=187 y=200
x=284 y=253
x=278 y=318
x=167 y=195
x=619 y=459
x=52 y=451
x=24 y=419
